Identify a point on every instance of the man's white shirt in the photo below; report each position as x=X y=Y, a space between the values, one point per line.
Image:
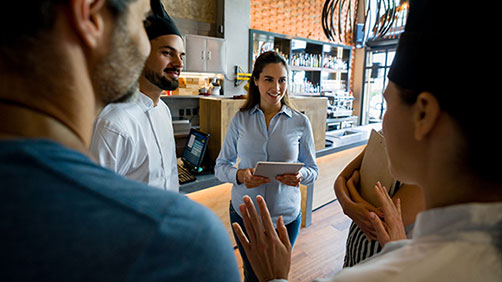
x=136 y=139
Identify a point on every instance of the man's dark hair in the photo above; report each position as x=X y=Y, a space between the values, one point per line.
x=23 y=23
x=27 y=18
x=23 y=26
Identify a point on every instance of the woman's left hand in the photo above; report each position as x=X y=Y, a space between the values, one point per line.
x=391 y=228
x=290 y=179
x=268 y=251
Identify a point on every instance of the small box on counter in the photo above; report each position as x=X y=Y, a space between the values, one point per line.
x=182 y=82
x=186 y=91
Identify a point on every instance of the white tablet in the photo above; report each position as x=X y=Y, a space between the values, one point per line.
x=272 y=169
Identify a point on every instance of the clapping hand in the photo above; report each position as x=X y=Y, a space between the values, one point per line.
x=268 y=251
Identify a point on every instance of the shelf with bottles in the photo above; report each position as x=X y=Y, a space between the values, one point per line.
x=264 y=47
x=299 y=68
x=334 y=81
x=305 y=82
x=314 y=60
x=306 y=61
x=335 y=58
x=305 y=88
x=333 y=86
x=305 y=55
x=261 y=42
x=333 y=64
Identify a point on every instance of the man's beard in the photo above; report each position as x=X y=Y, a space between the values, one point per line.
x=116 y=75
x=159 y=80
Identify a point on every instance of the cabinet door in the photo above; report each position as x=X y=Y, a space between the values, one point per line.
x=195 y=58
x=215 y=55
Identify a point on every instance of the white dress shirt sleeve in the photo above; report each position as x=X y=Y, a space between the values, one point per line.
x=108 y=147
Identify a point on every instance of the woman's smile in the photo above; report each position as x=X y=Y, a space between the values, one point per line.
x=274 y=94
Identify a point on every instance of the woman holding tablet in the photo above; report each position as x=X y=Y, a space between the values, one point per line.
x=268 y=128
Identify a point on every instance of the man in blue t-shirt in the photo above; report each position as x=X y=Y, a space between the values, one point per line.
x=63 y=217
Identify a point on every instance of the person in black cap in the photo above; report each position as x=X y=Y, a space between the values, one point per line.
x=432 y=131
x=136 y=139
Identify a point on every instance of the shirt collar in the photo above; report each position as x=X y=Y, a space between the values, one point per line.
x=284 y=110
x=459 y=220
x=144 y=101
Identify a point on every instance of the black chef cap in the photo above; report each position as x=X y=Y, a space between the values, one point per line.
x=159 y=22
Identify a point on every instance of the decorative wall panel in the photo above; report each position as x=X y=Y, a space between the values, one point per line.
x=301 y=18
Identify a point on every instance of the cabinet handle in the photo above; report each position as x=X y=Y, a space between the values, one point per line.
x=209 y=55
x=203 y=57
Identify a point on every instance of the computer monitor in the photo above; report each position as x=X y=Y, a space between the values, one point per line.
x=194 y=151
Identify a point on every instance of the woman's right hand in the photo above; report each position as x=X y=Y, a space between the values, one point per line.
x=353 y=205
x=251 y=181
x=359 y=209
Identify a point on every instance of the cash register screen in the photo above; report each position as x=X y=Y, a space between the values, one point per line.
x=196 y=146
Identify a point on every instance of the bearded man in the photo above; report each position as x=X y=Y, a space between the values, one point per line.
x=135 y=138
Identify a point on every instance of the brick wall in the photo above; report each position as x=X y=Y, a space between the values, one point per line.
x=301 y=18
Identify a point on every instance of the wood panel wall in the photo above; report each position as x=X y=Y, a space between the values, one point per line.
x=215 y=116
x=315 y=109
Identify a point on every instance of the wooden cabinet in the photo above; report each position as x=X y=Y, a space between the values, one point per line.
x=216 y=114
x=315 y=109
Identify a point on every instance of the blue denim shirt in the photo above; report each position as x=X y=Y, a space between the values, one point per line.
x=288 y=138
